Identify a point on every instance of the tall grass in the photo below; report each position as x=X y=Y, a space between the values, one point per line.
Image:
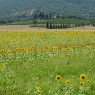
x=31 y=61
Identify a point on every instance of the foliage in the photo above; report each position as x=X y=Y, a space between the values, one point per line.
x=54 y=21
x=67 y=7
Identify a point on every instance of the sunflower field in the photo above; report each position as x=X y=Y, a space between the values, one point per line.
x=53 y=62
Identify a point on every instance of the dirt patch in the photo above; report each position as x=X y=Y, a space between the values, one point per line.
x=26 y=27
x=17 y=27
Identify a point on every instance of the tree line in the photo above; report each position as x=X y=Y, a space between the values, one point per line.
x=42 y=16
x=64 y=26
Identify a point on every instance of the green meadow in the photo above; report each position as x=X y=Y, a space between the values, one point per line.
x=41 y=62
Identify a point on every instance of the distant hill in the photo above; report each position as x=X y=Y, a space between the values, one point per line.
x=65 y=7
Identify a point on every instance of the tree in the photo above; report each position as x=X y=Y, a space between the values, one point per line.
x=43 y=15
x=35 y=16
x=49 y=16
x=54 y=26
x=3 y=22
x=47 y=25
x=40 y=15
x=93 y=24
x=50 y=26
x=61 y=26
x=35 y=22
x=46 y=16
x=64 y=26
x=83 y=24
x=57 y=16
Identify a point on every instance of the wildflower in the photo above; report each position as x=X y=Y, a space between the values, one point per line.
x=0 y=55
x=58 y=77
x=10 y=51
x=82 y=76
x=2 y=51
x=1 y=65
x=88 y=81
x=81 y=83
x=46 y=48
x=69 y=55
x=67 y=81
x=38 y=89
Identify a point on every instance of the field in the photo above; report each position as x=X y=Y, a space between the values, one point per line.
x=53 y=21
x=47 y=62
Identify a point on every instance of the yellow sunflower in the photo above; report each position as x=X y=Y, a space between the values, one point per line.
x=82 y=76
x=1 y=65
x=67 y=81
x=38 y=89
x=88 y=81
x=0 y=55
x=58 y=77
x=69 y=55
x=81 y=83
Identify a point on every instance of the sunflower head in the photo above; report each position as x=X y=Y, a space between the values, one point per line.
x=1 y=65
x=0 y=55
x=58 y=77
x=81 y=83
x=82 y=76
x=67 y=81
x=38 y=89
x=69 y=55
x=88 y=81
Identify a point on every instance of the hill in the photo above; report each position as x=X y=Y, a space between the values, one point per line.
x=66 y=7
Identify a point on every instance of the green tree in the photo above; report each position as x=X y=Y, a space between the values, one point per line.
x=35 y=22
x=50 y=16
x=57 y=16
x=50 y=26
x=61 y=26
x=47 y=25
x=35 y=16
x=64 y=26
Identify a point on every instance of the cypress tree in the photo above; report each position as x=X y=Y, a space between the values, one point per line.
x=56 y=26
x=53 y=26
x=61 y=26
x=47 y=25
x=50 y=26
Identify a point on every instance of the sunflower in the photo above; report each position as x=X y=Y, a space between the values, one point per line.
x=82 y=76
x=69 y=55
x=38 y=89
x=0 y=55
x=1 y=65
x=58 y=77
x=81 y=83
x=67 y=81
x=88 y=81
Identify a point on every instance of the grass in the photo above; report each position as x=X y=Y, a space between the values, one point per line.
x=30 y=61
x=53 y=21
x=21 y=23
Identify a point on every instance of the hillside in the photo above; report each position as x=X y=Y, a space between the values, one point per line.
x=67 y=7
